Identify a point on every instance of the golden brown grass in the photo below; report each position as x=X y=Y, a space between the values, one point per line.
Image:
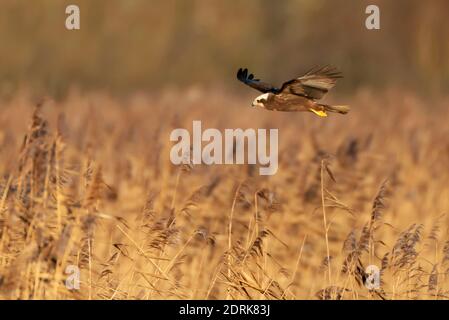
x=88 y=182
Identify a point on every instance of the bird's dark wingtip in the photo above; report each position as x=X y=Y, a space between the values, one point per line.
x=239 y=73
x=244 y=76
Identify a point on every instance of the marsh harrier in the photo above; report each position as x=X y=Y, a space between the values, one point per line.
x=300 y=94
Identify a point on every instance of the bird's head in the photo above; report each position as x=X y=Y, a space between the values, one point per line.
x=261 y=100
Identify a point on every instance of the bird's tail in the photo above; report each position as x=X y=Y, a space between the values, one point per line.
x=337 y=109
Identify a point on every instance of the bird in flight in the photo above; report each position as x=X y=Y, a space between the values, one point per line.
x=300 y=94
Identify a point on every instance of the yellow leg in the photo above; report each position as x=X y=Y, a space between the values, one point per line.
x=320 y=113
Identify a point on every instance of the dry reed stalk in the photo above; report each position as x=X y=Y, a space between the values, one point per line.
x=231 y=215
x=325 y=224
x=149 y=258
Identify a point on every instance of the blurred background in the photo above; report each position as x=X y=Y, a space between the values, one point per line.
x=125 y=46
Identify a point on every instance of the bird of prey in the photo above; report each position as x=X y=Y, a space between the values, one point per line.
x=300 y=94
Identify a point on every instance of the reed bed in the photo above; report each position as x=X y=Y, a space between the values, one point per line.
x=87 y=182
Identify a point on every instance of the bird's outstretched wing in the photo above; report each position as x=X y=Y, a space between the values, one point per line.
x=249 y=80
x=314 y=84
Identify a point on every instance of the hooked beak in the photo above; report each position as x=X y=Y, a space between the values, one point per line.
x=252 y=104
